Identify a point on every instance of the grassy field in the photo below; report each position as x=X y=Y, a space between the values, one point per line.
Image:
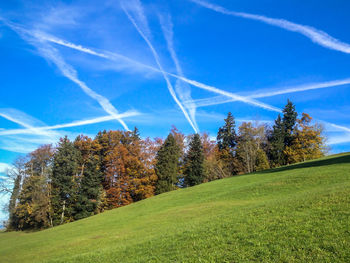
x=298 y=213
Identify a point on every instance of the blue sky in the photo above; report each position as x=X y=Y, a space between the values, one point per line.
x=72 y=67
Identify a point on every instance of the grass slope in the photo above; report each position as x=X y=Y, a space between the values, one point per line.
x=299 y=213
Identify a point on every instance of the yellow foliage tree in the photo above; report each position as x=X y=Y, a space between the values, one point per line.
x=308 y=142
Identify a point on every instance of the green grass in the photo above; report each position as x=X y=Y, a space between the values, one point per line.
x=298 y=213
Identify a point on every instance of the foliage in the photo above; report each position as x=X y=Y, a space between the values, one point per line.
x=65 y=176
x=167 y=165
x=52 y=186
x=194 y=160
x=308 y=142
x=297 y=213
x=33 y=207
x=276 y=140
x=227 y=138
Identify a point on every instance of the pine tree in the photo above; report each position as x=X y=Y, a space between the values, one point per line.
x=194 y=162
x=289 y=122
x=167 y=166
x=227 y=141
x=64 y=188
x=276 y=140
x=227 y=138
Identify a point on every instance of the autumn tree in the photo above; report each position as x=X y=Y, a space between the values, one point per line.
x=14 y=177
x=33 y=209
x=167 y=165
x=262 y=161
x=307 y=143
x=194 y=162
x=250 y=151
x=128 y=165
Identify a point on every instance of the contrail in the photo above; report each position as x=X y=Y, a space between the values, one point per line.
x=68 y=125
x=115 y=56
x=68 y=71
x=157 y=59
x=223 y=99
x=181 y=87
x=28 y=127
x=338 y=126
x=229 y=94
x=317 y=36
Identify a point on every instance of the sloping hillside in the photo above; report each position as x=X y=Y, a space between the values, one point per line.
x=299 y=213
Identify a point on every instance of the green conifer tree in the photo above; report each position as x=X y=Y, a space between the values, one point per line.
x=167 y=165
x=276 y=140
x=227 y=140
x=289 y=122
x=194 y=162
x=64 y=173
x=227 y=137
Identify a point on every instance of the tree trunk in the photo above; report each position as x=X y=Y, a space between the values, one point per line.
x=63 y=208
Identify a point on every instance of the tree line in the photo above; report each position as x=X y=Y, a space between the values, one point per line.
x=80 y=178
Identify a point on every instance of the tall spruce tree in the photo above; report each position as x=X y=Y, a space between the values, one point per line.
x=194 y=162
x=276 y=140
x=289 y=122
x=282 y=134
x=227 y=141
x=227 y=137
x=167 y=165
x=64 y=173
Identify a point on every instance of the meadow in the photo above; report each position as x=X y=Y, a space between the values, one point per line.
x=297 y=213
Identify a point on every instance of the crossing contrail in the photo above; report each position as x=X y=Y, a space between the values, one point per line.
x=52 y=54
x=183 y=89
x=156 y=58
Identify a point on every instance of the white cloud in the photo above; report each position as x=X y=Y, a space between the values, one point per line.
x=4 y=167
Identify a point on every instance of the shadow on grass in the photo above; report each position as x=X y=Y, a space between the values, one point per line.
x=316 y=163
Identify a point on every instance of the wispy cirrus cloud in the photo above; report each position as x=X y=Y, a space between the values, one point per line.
x=50 y=53
x=317 y=36
x=136 y=7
